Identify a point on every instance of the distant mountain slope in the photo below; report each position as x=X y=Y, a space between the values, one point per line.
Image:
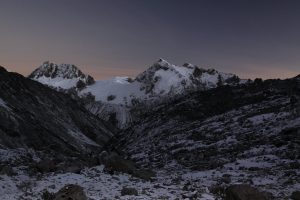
x=247 y=133
x=35 y=116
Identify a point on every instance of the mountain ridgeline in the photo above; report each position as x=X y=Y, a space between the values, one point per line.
x=159 y=80
x=113 y=99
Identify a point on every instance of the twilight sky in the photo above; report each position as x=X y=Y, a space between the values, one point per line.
x=106 y=38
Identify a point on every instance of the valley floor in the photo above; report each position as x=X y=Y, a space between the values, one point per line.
x=172 y=182
x=99 y=185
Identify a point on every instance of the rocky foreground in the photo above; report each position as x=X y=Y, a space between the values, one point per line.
x=238 y=142
x=119 y=179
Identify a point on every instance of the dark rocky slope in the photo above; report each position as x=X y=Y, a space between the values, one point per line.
x=244 y=134
x=35 y=116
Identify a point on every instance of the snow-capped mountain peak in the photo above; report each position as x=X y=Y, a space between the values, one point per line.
x=165 y=78
x=161 y=79
x=65 y=76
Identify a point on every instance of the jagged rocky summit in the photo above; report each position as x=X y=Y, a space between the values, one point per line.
x=64 y=76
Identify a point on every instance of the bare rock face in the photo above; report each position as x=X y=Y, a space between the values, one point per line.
x=70 y=192
x=244 y=192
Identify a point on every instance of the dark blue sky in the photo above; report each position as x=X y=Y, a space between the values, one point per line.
x=123 y=37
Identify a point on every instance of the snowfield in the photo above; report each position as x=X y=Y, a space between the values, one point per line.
x=58 y=82
x=119 y=88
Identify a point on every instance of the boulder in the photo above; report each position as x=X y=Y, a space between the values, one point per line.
x=244 y=192
x=114 y=162
x=46 y=166
x=129 y=191
x=70 y=192
x=46 y=195
x=7 y=170
x=296 y=195
x=145 y=174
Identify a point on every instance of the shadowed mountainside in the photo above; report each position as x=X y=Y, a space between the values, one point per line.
x=35 y=116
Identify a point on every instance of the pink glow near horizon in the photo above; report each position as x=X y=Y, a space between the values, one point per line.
x=108 y=72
